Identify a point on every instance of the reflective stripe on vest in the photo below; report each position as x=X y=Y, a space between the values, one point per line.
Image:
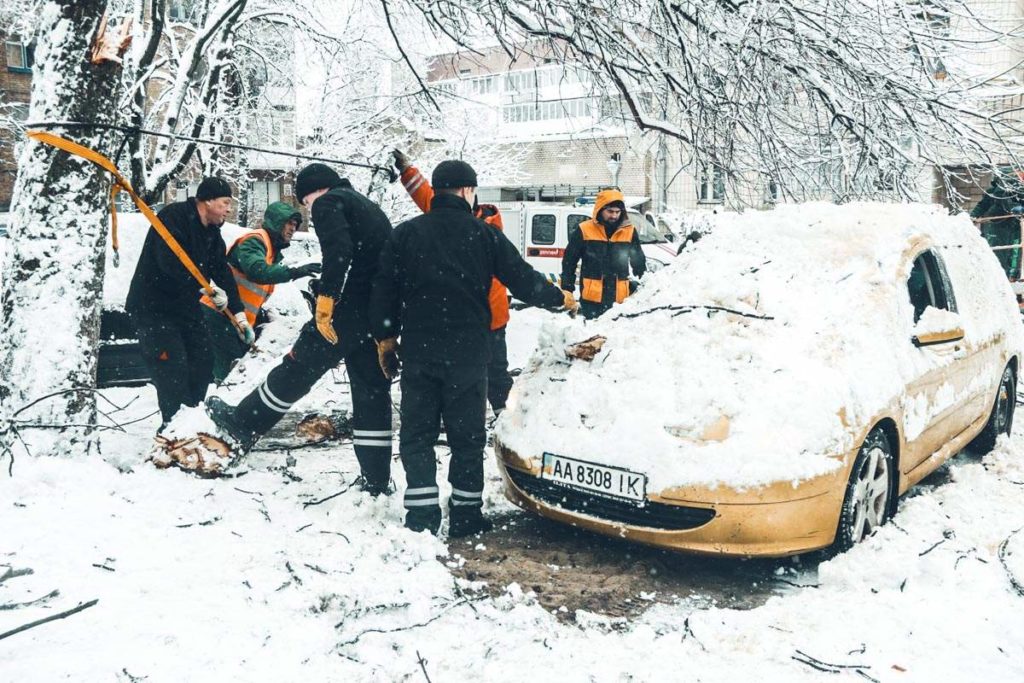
x=252 y=294
x=593 y=288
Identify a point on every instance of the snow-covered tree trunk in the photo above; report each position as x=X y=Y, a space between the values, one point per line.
x=51 y=282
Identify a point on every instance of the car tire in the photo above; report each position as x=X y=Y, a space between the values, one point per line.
x=870 y=499
x=1000 y=420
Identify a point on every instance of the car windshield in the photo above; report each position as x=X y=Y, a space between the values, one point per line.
x=649 y=232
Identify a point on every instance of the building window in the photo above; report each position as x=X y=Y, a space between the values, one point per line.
x=184 y=11
x=711 y=184
x=19 y=57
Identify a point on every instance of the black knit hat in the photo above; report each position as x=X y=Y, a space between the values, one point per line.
x=453 y=174
x=314 y=177
x=213 y=188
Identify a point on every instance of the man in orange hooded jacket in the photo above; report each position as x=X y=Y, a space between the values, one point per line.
x=499 y=382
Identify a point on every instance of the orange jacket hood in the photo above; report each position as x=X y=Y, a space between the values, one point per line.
x=606 y=197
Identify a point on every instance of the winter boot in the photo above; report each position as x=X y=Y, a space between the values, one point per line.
x=223 y=415
x=467 y=520
x=423 y=519
x=373 y=488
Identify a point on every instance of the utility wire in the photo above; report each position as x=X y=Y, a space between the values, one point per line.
x=392 y=175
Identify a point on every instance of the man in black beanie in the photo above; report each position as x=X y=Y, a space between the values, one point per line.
x=351 y=230
x=432 y=289
x=163 y=299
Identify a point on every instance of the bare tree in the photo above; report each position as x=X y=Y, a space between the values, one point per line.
x=852 y=97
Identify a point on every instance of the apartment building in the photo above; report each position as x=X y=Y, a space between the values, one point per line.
x=15 y=90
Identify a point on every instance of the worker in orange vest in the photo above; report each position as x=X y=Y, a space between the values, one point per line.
x=608 y=245
x=499 y=382
x=255 y=262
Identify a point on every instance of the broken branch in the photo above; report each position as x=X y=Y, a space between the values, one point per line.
x=54 y=617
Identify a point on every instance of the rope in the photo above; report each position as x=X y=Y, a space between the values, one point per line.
x=391 y=173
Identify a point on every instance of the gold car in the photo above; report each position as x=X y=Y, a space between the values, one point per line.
x=856 y=349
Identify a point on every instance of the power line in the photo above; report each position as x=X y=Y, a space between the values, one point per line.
x=392 y=175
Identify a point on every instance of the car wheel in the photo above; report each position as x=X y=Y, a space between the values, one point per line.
x=1000 y=420
x=870 y=493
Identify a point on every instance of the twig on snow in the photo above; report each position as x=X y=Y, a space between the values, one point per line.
x=1017 y=586
x=827 y=667
x=18 y=605
x=324 y=500
x=423 y=665
x=410 y=627
x=40 y=622
x=688 y=632
x=15 y=573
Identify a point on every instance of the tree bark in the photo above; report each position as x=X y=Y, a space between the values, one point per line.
x=51 y=282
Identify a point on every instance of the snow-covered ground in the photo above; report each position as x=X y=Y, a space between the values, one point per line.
x=263 y=578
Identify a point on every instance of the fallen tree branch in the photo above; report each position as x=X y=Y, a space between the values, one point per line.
x=47 y=620
x=827 y=667
x=324 y=500
x=15 y=573
x=686 y=308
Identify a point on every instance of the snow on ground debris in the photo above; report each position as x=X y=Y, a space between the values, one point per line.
x=266 y=577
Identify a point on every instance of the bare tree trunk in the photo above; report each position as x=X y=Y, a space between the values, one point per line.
x=51 y=287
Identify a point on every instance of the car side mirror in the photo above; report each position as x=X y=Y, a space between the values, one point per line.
x=937 y=326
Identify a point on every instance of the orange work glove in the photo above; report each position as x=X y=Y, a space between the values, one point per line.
x=569 y=303
x=324 y=315
x=387 y=357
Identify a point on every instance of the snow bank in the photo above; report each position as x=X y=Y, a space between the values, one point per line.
x=242 y=580
x=779 y=322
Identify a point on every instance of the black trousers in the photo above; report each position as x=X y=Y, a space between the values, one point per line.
x=225 y=345
x=432 y=392
x=311 y=358
x=499 y=382
x=176 y=350
x=591 y=310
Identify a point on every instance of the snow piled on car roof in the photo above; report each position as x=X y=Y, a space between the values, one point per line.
x=785 y=332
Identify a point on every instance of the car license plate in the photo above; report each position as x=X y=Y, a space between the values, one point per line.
x=588 y=476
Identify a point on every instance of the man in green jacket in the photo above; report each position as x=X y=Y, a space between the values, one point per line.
x=255 y=261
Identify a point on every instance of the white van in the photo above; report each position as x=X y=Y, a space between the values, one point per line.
x=540 y=231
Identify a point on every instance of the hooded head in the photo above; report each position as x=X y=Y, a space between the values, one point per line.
x=610 y=199
x=277 y=219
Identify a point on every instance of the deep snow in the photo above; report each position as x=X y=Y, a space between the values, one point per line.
x=236 y=579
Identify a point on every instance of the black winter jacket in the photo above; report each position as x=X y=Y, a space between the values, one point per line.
x=351 y=230
x=434 y=279
x=162 y=285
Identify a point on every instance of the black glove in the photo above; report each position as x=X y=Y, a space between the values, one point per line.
x=401 y=161
x=305 y=270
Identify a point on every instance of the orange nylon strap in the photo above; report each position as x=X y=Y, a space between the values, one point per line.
x=120 y=182
x=115 y=189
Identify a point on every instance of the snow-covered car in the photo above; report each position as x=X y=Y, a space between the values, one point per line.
x=776 y=388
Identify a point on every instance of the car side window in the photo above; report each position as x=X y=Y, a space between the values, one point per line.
x=542 y=230
x=929 y=285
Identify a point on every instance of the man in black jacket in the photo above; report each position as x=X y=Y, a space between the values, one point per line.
x=351 y=230
x=432 y=289
x=163 y=299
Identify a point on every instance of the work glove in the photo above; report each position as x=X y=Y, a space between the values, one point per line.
x=387 y=357
x=245 y=331
x=218 y=296
x=569 y=303
x=323 y=315
x=634 y=285
x=401 y=161
x=305 y=270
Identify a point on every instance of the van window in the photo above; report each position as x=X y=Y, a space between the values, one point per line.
x=574 y=221
x=543 y=229
x=929 y=285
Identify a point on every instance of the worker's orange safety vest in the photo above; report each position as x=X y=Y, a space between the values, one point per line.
x=252 y=294
x=593 y=287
